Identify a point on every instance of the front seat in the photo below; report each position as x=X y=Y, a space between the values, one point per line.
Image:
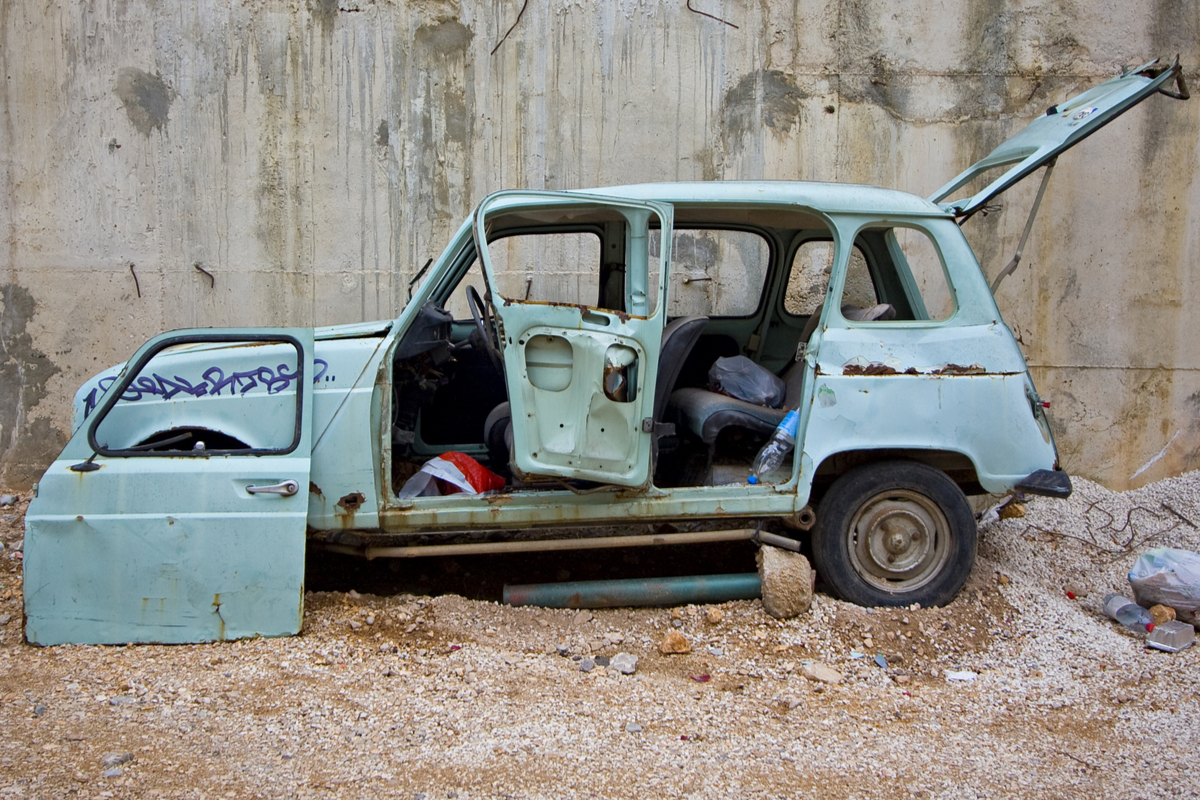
x=678 y=339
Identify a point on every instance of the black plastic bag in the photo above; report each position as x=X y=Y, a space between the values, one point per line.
x=741 y=378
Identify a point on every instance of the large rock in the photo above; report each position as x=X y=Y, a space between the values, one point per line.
x=786 y=582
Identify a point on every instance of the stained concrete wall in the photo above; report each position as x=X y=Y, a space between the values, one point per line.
x=309 y=155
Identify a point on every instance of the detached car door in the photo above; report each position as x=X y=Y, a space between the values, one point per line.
x=176 y=513
x=569 y=277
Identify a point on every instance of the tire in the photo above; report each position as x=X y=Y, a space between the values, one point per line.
x=894 y=533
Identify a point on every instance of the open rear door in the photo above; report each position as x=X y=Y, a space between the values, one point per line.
x=176 y=513
x=569 y=276
x=1061 y=127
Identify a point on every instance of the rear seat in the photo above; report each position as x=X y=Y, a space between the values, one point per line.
x=707 y=413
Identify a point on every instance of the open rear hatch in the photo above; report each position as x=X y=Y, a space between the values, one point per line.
x=1061 y=127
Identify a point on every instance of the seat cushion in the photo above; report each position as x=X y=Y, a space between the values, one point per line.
x=707 y=413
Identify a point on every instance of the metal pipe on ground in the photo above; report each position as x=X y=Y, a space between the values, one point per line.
x=636 y=592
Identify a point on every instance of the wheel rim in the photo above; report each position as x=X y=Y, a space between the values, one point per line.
x=899 y=540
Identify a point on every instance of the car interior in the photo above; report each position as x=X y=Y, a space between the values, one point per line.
x=742 y=281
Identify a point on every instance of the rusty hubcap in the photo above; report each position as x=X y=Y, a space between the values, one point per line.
x=899 y=540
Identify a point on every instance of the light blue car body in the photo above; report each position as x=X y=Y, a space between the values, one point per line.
x=128 y=543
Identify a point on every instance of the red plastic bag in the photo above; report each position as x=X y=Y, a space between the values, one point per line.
x=451 y=473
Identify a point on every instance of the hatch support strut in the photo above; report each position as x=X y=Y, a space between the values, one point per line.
x=1037 y=201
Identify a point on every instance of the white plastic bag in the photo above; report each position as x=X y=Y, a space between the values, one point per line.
x=1170 y=577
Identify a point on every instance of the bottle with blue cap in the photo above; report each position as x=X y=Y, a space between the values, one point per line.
x=776 y=449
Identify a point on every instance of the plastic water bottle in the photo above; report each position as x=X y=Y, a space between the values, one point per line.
x=1128 y=613
x=777 y=447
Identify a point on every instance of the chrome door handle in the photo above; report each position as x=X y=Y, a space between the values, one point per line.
x=287 y=489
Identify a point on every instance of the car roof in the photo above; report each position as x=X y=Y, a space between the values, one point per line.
x=818 y=195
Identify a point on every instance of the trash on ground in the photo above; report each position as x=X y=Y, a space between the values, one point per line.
x=452 y=473
x=1128 y=613
x=1172 y=636
x=1170 y=577
x=962 y=675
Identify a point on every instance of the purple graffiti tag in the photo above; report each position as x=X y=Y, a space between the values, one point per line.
x=212 y=382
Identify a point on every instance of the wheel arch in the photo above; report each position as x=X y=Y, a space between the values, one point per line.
x=957 y=465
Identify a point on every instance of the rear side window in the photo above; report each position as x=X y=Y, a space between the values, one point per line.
x=809 y=279
x=920 y=256
x=715 y=273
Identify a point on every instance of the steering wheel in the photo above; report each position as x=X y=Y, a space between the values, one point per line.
x=484 y=327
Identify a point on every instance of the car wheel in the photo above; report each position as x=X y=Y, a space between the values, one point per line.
x=894 y=533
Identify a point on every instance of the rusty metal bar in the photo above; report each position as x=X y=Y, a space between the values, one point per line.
x=479 y=548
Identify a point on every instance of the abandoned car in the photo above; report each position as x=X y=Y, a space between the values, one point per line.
x=564 y=340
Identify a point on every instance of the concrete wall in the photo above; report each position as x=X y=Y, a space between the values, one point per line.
x=310 y=155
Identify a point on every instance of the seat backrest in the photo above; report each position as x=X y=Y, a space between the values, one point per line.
x=883 y=311
x=678 y=339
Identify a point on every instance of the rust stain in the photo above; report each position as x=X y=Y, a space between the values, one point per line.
x=216 y=604
x=314 y=489
x=955 y=369
x=874 y=368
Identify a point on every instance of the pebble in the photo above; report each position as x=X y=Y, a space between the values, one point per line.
x=821 y=673
x=114 y=759
x=4 y=618
x=714 y=651
x=674 y=642
x=601 y=661
x=122 y=700
x=40 y=709
x=1162 y=614
x=7 y=499
x=1012 y=511
x=714 y=616
x=112 y=773
x=624 y=663
x=633 y=727
x=587 y=665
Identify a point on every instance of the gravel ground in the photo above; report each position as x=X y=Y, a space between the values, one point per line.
x=443 y=697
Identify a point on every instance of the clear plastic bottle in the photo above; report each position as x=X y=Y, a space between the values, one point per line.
x=1128 y=613
x=777 y=447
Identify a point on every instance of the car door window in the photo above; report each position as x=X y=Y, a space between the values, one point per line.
x=190 y=399
x=549 y=267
